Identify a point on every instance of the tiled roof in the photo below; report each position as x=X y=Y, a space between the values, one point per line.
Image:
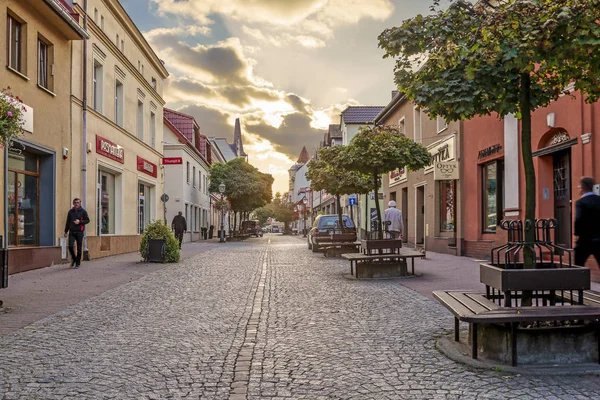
x=335 y=132
x=360 y=114
x=183 y=122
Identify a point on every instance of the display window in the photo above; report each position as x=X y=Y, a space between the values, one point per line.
x=23 y=199
x=493 y=195
x=447 y=206
x=107 y=206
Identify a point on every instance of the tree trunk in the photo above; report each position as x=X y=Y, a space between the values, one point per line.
x=339 y=212
x=529 y=259
x=376 y=191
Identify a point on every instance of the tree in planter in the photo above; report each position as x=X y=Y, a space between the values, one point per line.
x=159 y=230
x=377 y=150
x=504 y=57
x=327 y=172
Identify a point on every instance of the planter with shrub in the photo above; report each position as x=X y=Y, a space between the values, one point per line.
x=159 y=234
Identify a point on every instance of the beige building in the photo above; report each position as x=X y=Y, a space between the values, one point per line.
x=430 y=208
x=117 y=129
x=38 y=36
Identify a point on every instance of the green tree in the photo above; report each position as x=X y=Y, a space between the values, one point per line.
x=262 y=214
x=282 y=211
x=511 y=57
x=327 y=172
x=377 y=150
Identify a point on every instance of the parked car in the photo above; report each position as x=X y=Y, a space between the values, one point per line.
x=275 y=229
x=251 y=227
x=327 y=225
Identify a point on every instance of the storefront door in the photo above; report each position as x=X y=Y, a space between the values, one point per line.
x=420 y=214
x=562 y=197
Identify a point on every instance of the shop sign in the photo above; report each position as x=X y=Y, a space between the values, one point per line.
x=146 y=166
x=172 y=160
x=489 y=151
x=398 y=176
x=445 y=171
x=442 y=151
x=110 y=149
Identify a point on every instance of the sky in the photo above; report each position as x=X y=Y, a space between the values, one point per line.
x=285 y=68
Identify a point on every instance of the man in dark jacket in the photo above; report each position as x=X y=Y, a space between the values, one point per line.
x=179 y=225
x=587 y=223
x=77 y=218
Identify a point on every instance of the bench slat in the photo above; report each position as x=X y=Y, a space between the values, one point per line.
x=532 y=314
x=476 y=306
x=454 y=306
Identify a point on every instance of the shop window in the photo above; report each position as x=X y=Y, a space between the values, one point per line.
x=493 y=195
x=144 y=206
x=16 y=44
x=107 y=203
x=447 y=198
x=23 y=199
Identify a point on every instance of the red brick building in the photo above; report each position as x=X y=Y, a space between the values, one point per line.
x=564 y=149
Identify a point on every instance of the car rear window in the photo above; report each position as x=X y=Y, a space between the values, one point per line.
x=332 y=222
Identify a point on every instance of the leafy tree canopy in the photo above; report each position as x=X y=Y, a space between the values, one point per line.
x=476 y=55
x=282 y=211
x=262 y=214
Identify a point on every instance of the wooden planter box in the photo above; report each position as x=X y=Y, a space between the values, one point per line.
x=507 y=280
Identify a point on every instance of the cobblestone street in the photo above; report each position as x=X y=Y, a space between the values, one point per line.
x=265 y=318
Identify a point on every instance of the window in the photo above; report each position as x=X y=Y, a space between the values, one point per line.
x=493 y=195
x=401 y=125
x=144 y=207
x=119 y=103
x=142 y=69
x=187 y=172
x=16 y=41
x=139 y=65
x=107 y=203
x=154 y=83
x=102 y=22
x=117 y=41
x=194 y=176
x=23 y=199
x=417 y=128
x=447 y=206
x=122 y=46
x=152 y=130
x=441 y=124
x=140 y=120
x=200 y=181
x=95 y=15
x=98 y=78
x=45 y=65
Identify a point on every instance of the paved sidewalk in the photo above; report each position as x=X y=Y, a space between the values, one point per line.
x=36 y=294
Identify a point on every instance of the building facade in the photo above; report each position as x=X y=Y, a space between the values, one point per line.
x=564 y=150
x=186 y=163
x=117 y=114
x=38 y=36
x=430 y=208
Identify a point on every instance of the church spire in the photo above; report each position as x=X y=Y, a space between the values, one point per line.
x=304 y=156
x=237 y=140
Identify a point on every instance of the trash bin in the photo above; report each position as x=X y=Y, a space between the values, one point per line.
x=156 y=251
x=203 y=233
x=210 y=232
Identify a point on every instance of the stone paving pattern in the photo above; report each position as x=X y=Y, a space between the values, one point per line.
x=265 y=319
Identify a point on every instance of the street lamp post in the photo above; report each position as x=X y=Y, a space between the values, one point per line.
x=222 y=236
x=305 y=202
x=296 y=210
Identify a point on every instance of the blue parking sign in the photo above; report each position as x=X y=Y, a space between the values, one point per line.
x=352 y=201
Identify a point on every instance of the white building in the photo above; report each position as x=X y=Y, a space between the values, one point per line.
x=186 y=166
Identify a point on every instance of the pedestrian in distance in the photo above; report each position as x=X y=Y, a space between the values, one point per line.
x=393 y=216
x=179 y=225
x=587 y=223
x=77 y=218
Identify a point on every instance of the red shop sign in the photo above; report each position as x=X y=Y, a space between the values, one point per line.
x=172 y=160
x=110 y=149
x=146 y=166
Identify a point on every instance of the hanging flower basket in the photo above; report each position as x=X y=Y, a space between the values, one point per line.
x=12 y=117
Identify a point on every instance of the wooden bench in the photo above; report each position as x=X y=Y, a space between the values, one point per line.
x=400 y=257
x=330 y=248
x=475 y=308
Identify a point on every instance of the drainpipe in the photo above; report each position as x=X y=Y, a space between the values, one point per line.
x=86 y=254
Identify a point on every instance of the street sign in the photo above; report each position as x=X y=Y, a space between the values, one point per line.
x=352 y=201
x=172 y=160
x=164 y=198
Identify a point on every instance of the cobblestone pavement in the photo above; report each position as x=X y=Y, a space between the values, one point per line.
x=260 y=320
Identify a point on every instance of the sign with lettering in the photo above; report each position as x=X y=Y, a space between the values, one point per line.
x=172 y=160
x=489 y=151
x=441 y=151
x=445 y=171
x=110 y=149
x=146 y=166
x=398 y=176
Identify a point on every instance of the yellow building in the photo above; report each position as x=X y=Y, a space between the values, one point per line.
x=117 y=114
x=38 y=36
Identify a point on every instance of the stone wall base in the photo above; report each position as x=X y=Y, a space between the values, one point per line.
x=380 y=270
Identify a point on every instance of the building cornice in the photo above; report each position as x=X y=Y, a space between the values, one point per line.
x=63 y=13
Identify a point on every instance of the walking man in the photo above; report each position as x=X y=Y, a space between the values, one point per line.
x=179 y=226
x=77 y=218
x=394 y=217
x=587 y=223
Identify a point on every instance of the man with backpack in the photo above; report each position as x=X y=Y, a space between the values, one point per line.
x=77 y=218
